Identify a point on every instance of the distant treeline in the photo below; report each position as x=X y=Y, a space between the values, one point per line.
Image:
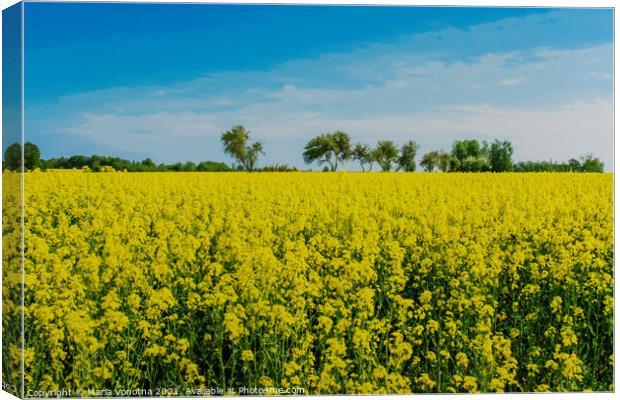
x=103 y=164
x=328 y=150
x=587 y=164
x=99 y=163
x=32 y=160
x=474 y=156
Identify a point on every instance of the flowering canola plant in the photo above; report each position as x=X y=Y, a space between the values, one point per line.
x=332 y=282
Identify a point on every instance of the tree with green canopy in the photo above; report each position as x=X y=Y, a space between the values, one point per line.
x=364 y=155
x=406 y=161
x=386 y=153
x=589 y=163
x=430 y=160
x=500 y=156
x=464 y=149
x=236 y=144
x=13 y=156
x=328 y=148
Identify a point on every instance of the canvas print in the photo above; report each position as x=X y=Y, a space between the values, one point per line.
x=233 y=199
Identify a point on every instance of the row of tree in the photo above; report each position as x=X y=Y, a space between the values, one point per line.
x=334 y=148
x=99 y=163
x=329 y=150
x=32 y=160
x=588 y=163
x=471 y=156
x=474 y=156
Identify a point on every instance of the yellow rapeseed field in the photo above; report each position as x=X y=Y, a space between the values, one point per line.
x=331 y=282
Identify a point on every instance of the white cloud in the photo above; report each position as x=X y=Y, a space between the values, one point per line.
x=163 y=135
x=511 y=82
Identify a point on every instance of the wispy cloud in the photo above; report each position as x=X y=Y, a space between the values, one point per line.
x=511 y=82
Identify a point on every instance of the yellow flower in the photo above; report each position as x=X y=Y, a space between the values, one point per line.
x=247 y=355
x=265 y=381
x=426 y=297
x=470 y=384
x=432 y=326
x=556 y=304
x=462 y=360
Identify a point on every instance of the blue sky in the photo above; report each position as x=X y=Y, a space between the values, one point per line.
x=163 y=81
x=11 y=75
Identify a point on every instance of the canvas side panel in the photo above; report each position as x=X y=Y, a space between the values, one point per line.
x=12 y=354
